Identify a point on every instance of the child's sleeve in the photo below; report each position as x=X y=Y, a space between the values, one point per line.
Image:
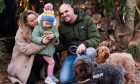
x=36 y=36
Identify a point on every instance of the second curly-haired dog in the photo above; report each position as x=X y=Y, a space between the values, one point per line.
x=88 y=72
x=126 y=60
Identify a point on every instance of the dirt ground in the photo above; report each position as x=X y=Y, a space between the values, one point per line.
x=5 y=60
x=3 y=69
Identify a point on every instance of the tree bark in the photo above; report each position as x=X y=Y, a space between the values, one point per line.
x=130 y=13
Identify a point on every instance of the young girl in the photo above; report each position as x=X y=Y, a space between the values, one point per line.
x=46 y=30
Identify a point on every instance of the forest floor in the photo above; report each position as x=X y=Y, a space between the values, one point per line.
x=6 y=59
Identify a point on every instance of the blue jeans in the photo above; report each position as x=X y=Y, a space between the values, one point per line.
x=66 y=73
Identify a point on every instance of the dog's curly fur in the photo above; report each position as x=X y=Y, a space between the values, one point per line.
x=88 y=72
x=101 y=54
x=126 y=60
x=112 y=74
x=82 y=68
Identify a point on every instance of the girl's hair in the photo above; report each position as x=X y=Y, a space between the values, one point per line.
x=26 y=30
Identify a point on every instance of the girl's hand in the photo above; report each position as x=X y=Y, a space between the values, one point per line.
x=51 y=35
x=45 y=40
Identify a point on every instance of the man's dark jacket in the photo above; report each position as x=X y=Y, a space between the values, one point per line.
x=82 y=31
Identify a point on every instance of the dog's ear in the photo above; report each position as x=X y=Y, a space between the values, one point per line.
x=95 y=65
x=107 y=52
x=96 y=55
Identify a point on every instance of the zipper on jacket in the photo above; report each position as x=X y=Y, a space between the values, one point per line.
x=76 y=37
x=74 y=33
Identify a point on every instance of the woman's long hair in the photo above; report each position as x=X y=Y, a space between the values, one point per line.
x=26 y=30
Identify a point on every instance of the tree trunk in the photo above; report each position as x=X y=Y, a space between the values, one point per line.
x=130 y=13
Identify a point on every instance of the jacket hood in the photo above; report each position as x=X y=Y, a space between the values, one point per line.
x=80 y=12
x=41 y=25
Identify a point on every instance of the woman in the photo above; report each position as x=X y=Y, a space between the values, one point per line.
x=25 y=67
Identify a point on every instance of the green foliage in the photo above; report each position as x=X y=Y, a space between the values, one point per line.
x=123 y=6
x=111 y=6
x=72 y=2
x=2 y=5
x=108 y=6
x=134 y=49
x=3 y=50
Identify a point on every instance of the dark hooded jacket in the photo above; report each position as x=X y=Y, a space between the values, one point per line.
x=83 y=30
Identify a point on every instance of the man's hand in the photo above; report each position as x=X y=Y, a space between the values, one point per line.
x=81 y=48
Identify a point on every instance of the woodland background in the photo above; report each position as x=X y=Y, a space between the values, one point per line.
x=118 y=22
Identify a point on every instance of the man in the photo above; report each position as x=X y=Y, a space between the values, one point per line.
x=76 y=29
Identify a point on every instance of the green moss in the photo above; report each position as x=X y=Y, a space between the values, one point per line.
x=134 y=49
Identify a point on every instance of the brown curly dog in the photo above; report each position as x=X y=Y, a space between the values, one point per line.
x=126 y=60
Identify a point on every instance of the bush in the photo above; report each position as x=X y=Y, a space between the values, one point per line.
x=134 y=49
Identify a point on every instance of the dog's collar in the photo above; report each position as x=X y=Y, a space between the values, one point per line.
x=84 y=81
x=97 y=75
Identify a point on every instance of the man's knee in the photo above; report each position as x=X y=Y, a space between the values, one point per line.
x=90 y=52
